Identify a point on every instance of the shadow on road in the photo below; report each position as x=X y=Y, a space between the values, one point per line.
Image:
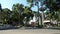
x=27 y=28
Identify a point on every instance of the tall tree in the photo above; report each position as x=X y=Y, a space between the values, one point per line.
x=17 y=10
x=38 y=3
x=53 y=5
x=5 y=15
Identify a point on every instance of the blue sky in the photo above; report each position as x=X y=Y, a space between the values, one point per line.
x=9 y=3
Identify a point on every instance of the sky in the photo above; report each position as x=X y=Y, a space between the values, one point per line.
x=9 y=3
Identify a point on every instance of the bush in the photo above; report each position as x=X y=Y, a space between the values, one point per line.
x=58 y=25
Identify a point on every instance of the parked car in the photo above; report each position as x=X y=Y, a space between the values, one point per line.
x=6 y=26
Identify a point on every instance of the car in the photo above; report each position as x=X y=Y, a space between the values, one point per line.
x=6 y=26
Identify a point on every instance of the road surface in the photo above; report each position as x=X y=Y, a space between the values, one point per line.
x=30 y=31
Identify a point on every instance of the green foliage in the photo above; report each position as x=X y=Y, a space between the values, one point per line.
x=29 y=1
x=28 y=12
x=17 y=13
x=17 y=7
x=5 y=15
x=52 y=4
x=33 y=2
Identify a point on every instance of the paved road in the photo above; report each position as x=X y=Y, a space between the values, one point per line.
x=30 y=31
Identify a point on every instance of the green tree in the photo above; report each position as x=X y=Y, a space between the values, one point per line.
x=53 y=5
x=17 y=12
x=34 y=3
x=5 y=15
x=27 y=13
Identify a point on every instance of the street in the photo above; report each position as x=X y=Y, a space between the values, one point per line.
x=30 y=31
